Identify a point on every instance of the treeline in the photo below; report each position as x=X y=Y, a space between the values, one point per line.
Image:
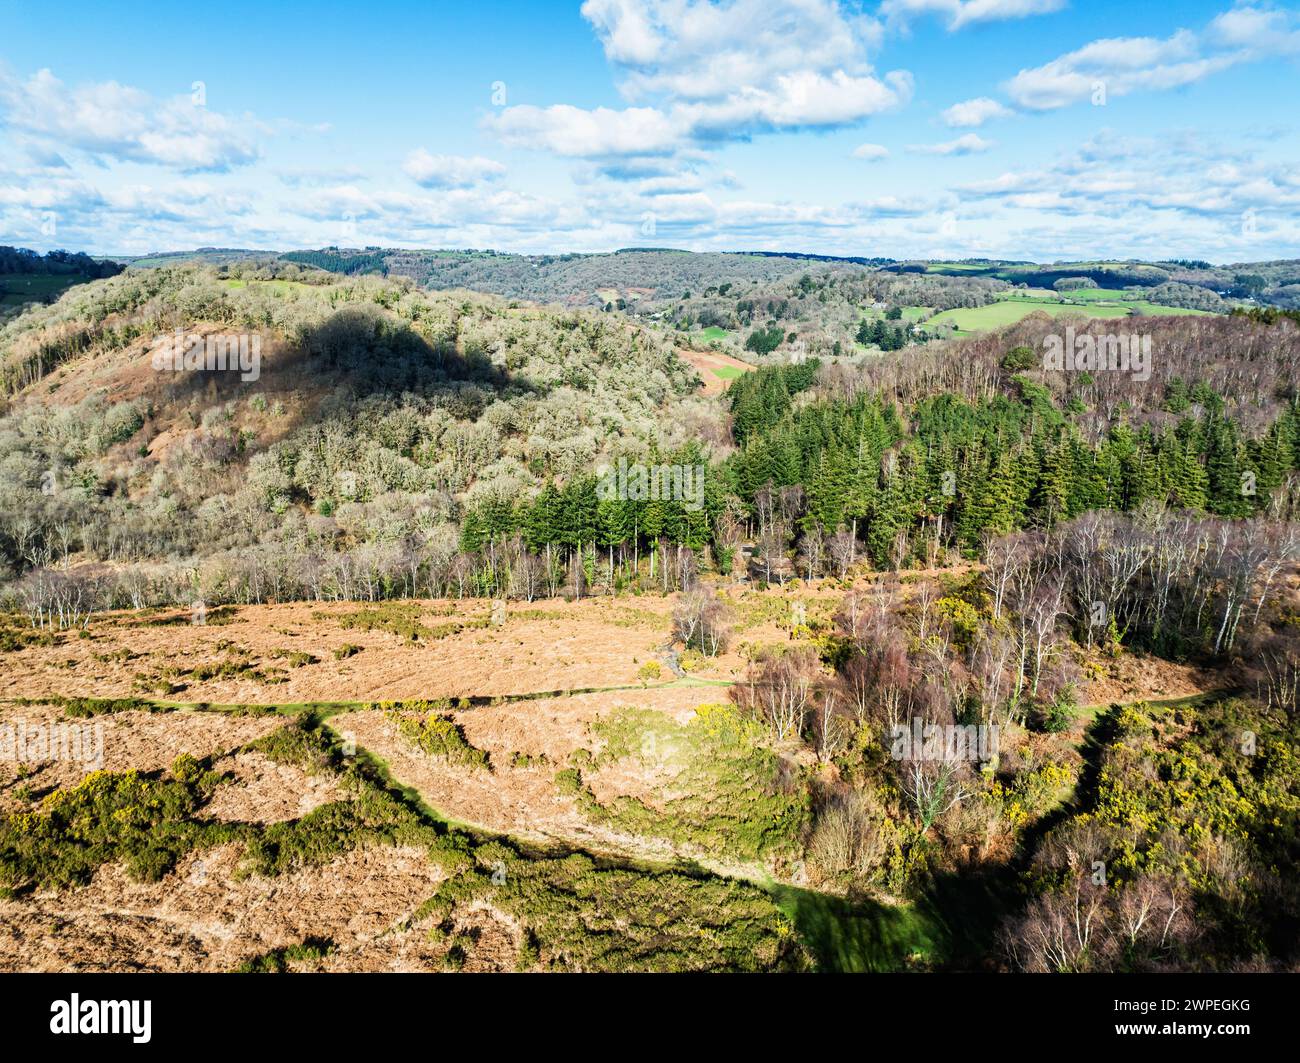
x=816 y=486
x=587 y=534
x=341 y=262
x=1266 y=315
x=21 y=260
x=956 y=471
x=657 y=275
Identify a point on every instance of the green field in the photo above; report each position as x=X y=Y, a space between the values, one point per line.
x=1155 y=308
x=1092 y=295
x=710 y=334
x=1130 y=297
x=947 y=268
x=727 y=372
x=19 y=289
x=1009 y=311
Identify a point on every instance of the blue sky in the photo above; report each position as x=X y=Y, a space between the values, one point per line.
x=1043 y=129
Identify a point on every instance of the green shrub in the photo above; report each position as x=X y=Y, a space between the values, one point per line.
x=128 y=817
x=438 y=735
x=294 y=658
x=298 y=743
x=1019 y=359
x=396 y=618
x=277 y=961
x=1059 y=714
x=82 y=708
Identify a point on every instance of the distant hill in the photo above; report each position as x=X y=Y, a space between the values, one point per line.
x=1275 y=283
x=212 y=256
x=645 y=277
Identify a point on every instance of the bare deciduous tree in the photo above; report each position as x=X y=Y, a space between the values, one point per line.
x=779 y=690
x=700 y=621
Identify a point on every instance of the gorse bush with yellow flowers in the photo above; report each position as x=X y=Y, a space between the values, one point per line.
x=143 y=822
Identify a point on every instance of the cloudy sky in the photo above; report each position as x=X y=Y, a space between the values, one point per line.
x=1040 y=129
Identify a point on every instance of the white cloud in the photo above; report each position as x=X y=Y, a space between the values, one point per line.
x=1122 y=65
x=902 y=206
x=871 y=152
x=625 y=29
x=705 y=50
x=450 y=171
x=961 y=13
x=575 y=132
x=972 y=113
x=1118 y=177
x=967 y=144
x=699 y=72
x=801 y=99
x=973 y=11
x=1263 y=31
x=1119 y=65
x=124 y=123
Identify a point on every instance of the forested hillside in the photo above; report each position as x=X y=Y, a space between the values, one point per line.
x=639 y=276
x=379 y=414
x=403 y=443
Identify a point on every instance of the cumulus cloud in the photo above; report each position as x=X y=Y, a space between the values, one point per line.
x=972 y=113
x=967 y=144
x=1116 y=176
x=1122 y=65
x=961 y=13
x=1260 y=31
x=871 y=152
x=114 y=121
x=581 y=133
x=704 y=50
x=450 y=171
x=802 y=99
x=697 y=72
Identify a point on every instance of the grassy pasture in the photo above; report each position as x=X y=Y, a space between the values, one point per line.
x=1142 y=306
x=19 y=289
x=708 y=335
x=1009 y=311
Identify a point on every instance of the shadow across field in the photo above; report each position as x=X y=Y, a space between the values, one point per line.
x=862 y=936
